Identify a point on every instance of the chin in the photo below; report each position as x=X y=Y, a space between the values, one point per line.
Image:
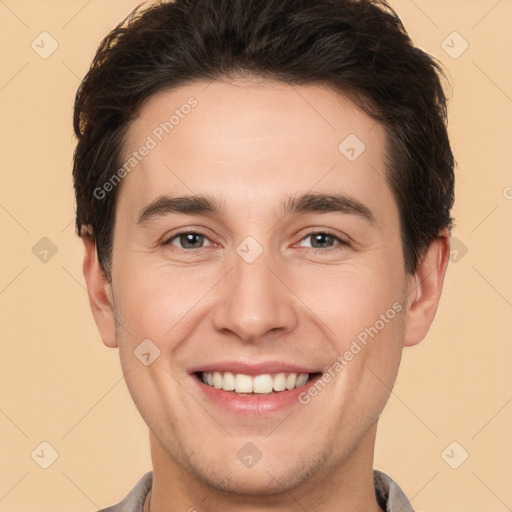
x=272 y=475
x=265 y=481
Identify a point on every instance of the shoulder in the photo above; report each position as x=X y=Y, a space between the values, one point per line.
x=389 y=495
x=134 y=500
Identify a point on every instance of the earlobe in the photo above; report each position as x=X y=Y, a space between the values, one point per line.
x=100 y=293
x=425 y=290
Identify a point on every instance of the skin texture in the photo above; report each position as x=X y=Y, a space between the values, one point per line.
x=251 y=144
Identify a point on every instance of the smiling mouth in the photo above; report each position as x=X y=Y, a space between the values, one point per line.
x=263 y=384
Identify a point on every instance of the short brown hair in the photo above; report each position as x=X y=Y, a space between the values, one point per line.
x=356 y=47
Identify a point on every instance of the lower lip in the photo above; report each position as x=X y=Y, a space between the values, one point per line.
x=255 y=404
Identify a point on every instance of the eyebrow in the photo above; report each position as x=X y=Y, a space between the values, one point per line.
x=211 y=206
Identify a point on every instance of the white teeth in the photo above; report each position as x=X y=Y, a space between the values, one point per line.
x=243 y=383
x=217 y=380
x=301 y=380
x=280 y=382
x=259 y=384
x=263 y=383
x=229 y=382
x=291 y=380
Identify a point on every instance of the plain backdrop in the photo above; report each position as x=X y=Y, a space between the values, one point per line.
x=60 y=385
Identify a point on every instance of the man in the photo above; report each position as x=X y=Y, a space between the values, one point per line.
x=263 y=191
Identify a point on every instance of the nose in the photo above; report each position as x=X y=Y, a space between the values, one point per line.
x=254 y=300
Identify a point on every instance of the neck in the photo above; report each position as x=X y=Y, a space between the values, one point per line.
x=345 y=486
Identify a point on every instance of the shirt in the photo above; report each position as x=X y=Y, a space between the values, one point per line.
x=389 y=495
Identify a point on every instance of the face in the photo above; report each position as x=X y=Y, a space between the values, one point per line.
x=288 y=262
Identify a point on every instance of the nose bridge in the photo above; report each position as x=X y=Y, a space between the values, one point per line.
x=254 y=301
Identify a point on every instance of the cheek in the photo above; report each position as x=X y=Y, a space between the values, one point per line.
x=149 y=293
x=373 y=351
x=352 y=297
x=363 y=308
x=162 y=303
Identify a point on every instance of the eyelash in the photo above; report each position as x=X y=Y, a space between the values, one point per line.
x=341 y=243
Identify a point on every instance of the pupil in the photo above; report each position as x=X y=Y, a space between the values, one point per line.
x=318 y=237
x=189 y=238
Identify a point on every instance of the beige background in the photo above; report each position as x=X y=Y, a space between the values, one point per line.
x=62 y=386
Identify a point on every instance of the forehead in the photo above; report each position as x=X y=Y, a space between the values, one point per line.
x=250 y=141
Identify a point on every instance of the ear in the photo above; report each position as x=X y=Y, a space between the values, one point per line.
x=100 y=293
x=424 y=289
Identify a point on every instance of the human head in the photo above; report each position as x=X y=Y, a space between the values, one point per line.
x=249 y=136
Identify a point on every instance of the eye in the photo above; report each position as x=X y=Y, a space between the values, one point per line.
x=187 y=240
x=323 y=241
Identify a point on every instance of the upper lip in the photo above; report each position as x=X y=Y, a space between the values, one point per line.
x=253 y=368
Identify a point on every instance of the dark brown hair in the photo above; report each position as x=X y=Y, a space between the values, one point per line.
x=356 y=47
